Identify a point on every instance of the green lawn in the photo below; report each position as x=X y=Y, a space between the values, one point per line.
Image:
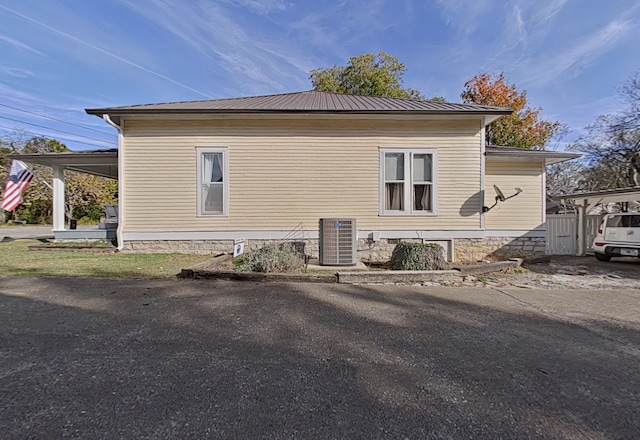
x=16 y=260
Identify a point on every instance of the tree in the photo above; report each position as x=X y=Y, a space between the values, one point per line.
x=523 y=128
x=367 y=75
x=612 y=143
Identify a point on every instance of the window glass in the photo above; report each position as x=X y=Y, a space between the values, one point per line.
x=394 y=166
x=422 y=197
x=422 y=168
x=212 y=191
x=408 y=181
x=213 y=198
x=212 y=167
x=394 y=197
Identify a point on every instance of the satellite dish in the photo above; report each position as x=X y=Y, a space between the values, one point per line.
x=500 y=198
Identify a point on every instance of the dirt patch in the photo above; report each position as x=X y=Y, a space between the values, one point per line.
x=574 y=273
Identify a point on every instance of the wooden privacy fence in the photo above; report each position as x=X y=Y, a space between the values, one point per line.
x=562 y=233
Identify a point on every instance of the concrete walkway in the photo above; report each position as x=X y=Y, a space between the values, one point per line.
x=26 y=232
x=220 y=359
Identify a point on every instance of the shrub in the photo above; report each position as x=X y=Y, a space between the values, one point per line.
x=272 y=257
x=417 y=256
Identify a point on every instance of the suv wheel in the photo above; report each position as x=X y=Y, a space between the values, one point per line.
x=602 y=257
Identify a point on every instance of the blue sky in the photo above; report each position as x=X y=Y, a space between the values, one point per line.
x=58 y=57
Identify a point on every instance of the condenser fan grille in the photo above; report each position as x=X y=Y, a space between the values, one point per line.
x=337 y=241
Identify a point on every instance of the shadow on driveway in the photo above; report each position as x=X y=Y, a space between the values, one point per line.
x=190 y=359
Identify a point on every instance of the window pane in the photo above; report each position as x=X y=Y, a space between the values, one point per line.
x=394 y=197
x=212 y=168
x=394 y=166
x=422 y=168
x=213 y=198
x=422 y=197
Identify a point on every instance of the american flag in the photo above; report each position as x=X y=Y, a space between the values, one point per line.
x=19 y=178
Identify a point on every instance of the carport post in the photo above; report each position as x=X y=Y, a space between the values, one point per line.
x=582 y=225
x=58 y=198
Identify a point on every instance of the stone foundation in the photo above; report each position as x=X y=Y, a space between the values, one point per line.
x=466 y=250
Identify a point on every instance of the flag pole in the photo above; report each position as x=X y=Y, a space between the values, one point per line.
x=38 y=177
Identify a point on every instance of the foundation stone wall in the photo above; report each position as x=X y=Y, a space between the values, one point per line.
x=466 y=250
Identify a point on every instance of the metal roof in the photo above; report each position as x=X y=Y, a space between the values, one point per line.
x=512 y=154
x=97 y=162
x=309 y=101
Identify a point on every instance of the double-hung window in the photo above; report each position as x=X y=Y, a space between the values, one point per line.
x=408 y=181
x=213 y=181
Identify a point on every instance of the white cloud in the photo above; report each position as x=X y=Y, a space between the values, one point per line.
x=95 y=48
x=16 y=72
x=210 y=29
x=464 y=15
x=18 y=44
x=574 y=58
x=262 y=6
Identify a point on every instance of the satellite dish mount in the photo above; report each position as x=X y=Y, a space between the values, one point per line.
x=500 y=198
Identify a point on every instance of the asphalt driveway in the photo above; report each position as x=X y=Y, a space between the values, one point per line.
x=196 y=359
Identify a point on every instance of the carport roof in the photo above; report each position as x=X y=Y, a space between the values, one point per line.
x=96 y=162
x=593 y=198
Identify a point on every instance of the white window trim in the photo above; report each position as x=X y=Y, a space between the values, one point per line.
x=408 y=152
x=200 y=151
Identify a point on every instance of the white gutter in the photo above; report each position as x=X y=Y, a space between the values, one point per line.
x=108 y=120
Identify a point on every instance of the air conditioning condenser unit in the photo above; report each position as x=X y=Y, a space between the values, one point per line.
x=338 y=241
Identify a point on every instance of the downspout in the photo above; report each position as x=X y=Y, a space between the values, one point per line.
x=108 y=120
x=483 y=164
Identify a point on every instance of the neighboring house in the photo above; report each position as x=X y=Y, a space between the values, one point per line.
x=194 y=176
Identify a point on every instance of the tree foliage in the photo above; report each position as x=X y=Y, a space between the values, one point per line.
x=367 y=75
x=85 y=194
x=612 y=143
x=524 y=128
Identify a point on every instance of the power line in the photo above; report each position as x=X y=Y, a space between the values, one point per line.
x=104 y=51
x=53 y=129
x=58 y=137
x=84 y=127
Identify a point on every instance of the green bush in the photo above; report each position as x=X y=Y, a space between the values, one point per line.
x=417 y=256
x=271 y=257
x=35 y=212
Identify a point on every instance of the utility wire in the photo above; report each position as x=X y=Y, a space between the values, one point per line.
x=104 y=51
x=84 y=127
x=58 y=137
x=53 y=129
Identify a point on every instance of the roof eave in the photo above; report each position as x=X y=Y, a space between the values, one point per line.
x=117 y=114
x=548 y=157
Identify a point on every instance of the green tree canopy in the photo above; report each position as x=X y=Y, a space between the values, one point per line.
x=523 y=128
x=368 y=75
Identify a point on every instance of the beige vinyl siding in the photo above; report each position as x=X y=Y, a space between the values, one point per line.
x=283 y=172
x=523 y=211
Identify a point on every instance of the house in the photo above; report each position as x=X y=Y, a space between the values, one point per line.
x=194 y=176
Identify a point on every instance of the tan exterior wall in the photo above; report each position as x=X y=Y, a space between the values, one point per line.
x=283 y=172
x=523 y=212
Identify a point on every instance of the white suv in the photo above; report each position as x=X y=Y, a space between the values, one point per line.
x=618 y=236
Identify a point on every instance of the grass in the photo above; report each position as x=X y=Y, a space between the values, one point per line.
x=17 y=261
x=78 y=244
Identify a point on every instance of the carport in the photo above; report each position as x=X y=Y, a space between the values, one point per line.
x=587 y=201
x=102 y=163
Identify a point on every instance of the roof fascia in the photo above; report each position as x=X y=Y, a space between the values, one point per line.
x=536 y=156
